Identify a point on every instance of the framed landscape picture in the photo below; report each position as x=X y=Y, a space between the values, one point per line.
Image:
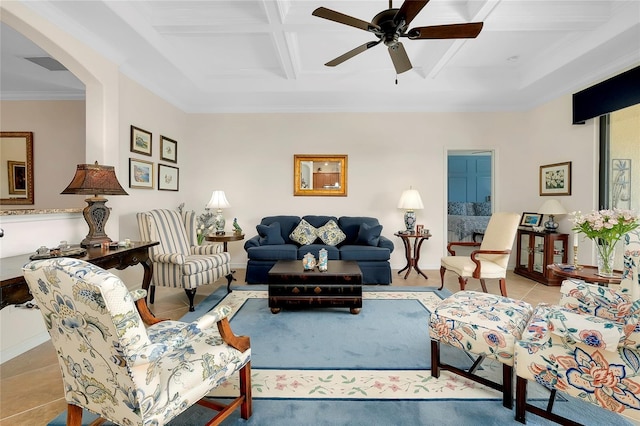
x=168 y=177
x=531 y=219
x=140 y=141
x=555 y=179
x=140 y=174
x=168 y=149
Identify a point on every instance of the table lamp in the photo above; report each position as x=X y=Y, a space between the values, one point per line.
x=552 y=208
x=96 y=180
x=410 y=201
x=218 y=201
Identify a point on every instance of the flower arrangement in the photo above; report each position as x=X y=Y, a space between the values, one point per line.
x=204 y=225
x=605 y=227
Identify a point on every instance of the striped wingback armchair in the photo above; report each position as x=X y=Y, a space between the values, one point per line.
x=178 y=261
x=588 y=346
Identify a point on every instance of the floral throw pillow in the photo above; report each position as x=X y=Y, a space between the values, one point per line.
x=304 y=234
x=331 y=234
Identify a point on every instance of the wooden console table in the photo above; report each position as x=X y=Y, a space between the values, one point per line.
x=586 y=273
x=14 y=289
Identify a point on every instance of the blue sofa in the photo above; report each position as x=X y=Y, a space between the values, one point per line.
x=362 y=243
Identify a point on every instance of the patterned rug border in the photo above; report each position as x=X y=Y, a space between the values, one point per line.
x=359 y=384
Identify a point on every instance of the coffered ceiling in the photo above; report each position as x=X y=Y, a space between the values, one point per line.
x=269 y=55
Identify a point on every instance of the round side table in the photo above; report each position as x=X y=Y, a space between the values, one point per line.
x=412 y=256
x=224 y=239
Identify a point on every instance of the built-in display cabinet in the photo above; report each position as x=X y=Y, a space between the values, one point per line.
x=536 y=250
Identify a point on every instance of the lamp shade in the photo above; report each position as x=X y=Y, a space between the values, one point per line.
x=95 y=179
x=218 y=201
x=552 y=207
x=410 y=200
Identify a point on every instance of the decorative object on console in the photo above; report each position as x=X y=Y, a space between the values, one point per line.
x=605 y=228
x=410 y=201
x=552 y=208
x=555 y=179
x=531 y=219
x=218 y=201
x=97 y=180
x=236 y=228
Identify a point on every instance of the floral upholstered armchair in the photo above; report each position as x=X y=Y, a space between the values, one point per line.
x=589 y=346
x=115 y=367
x=179 y=261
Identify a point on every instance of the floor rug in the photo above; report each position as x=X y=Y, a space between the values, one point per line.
x=333 y=377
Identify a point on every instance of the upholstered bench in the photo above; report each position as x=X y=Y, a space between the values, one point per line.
x=482 y=324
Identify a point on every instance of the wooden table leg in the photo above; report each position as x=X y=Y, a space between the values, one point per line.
x=407 y=255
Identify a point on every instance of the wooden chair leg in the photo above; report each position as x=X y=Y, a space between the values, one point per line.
x=152 y=294
x=503 y=287
x=74 y=415
x=442 y=271
x=435 y=358
x=246 y=409
x=507 y=392
x=483 y=284
x=521 y=399
x=463 y=283
x=191 y=293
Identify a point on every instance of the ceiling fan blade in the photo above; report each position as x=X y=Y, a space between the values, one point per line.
x=332 y=15
x=350 y=54
x=470 y=30
x=400 y=58
x=409 y=10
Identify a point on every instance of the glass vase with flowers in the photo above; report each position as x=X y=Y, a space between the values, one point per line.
x=605 y=228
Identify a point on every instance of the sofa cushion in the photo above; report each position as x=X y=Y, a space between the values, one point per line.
x=350 y=225
x=330 y=233
x=270 y=234
x=273 y=252
x=287 y=225
x=364 y=253
x=369 y=235
x=304 y=233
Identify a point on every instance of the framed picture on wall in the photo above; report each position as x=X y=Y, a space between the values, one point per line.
x=168 y=177
x=17 y=177
x=140 y=174
x=168 y=149
x=140 y=141
x=555 y=179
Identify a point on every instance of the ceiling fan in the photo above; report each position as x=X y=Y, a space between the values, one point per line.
x=391 y=24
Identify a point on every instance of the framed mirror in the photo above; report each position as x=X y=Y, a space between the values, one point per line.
x=16 y=165
x=323 y=175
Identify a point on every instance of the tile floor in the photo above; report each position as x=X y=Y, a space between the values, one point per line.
x=31 y=387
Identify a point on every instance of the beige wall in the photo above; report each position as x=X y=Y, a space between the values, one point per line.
x=58 y=146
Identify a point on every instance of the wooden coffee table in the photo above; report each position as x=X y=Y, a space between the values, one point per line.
x=291 y=286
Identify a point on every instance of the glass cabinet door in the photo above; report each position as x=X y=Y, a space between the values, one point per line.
x=524 y=250
x=538 y=254
x=558 y=251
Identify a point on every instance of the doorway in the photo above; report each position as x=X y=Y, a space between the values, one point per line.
x=470 y=200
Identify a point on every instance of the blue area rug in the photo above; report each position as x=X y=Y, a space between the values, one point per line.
x=328 y=367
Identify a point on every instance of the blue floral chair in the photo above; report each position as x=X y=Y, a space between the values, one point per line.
x=587 y=347
x=115 y=367
x=178 y=261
